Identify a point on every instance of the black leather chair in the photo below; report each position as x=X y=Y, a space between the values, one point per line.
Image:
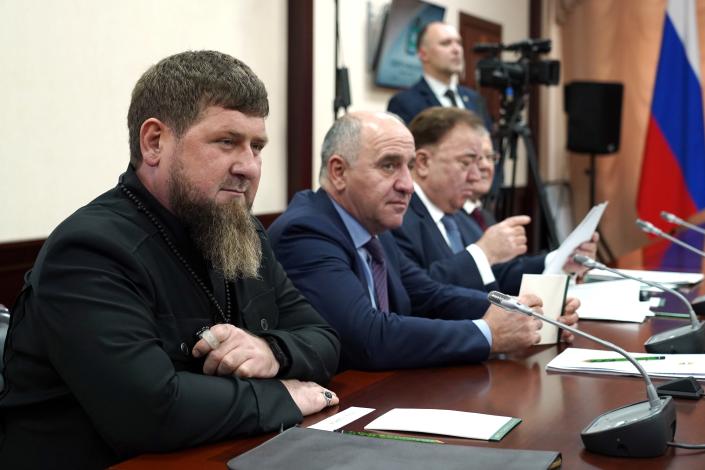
x=4 y=325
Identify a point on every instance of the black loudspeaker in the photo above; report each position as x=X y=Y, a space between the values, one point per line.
x=594 y=116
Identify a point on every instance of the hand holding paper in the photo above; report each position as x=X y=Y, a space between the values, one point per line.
x=584 y=231
x=589 y=249
x=551 y=288
x=514 y=331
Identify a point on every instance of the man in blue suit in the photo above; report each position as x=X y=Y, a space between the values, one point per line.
x=336 y=247
x=436 y=235
x=440 y=50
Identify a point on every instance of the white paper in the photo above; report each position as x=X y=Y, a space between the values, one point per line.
x=443 y=422
x=610 y=300
x=582 y=233
x=341 y=419
x=672 y=366
x=551 y=289
x=670 y=278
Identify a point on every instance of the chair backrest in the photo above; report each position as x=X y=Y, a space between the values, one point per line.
x=4 y=325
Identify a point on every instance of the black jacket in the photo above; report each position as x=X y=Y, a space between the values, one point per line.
x=98 y=365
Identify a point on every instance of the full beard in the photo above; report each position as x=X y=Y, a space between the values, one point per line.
x=225 y=234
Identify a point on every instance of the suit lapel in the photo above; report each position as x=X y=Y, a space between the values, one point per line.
x=427 y=94
x=470 y=231
x=468 y=100
x=323 y=204
x=398 y=299
x=429 y=225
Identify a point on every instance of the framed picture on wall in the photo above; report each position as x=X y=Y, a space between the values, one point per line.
x=396 y=64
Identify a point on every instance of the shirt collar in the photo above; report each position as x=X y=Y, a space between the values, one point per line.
x=433 y=210
x=470 y=206
x=438 y=87
x=360 y=236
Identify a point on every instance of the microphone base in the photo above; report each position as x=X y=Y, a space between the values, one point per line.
x=682 y=340
x=632 y=431
x=698 y=305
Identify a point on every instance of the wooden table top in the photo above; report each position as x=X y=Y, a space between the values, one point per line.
x=554 y=407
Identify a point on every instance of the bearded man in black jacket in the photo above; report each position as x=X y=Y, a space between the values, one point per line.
x=156 y=317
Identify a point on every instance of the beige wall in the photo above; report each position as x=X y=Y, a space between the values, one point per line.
x=513 y=15
x=68 y=68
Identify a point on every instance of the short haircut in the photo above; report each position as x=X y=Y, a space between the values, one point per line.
x=422 y=33
x=180 y=87
x=432 y=124
x=343 y=138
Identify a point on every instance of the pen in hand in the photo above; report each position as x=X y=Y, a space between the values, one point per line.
x=623 y=359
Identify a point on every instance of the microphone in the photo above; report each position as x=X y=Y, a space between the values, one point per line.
x=648 y=227
x=689 y=339
x=698 y=303
x=641 y=429
x=674 y=219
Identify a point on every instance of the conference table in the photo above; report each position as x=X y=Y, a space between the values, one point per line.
x=553 y=407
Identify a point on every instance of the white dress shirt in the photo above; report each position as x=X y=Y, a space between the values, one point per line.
x=483 y=265
x=439 y=89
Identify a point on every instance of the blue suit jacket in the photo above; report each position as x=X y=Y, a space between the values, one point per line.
x=431 y=322
x=408 y=103
x=421 y=241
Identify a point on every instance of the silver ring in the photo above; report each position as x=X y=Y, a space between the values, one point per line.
x=328 y=396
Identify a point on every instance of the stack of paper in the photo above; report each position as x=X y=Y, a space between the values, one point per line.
x=660 y=365
x=613 y=300
x=670 y=278
x=445 y=422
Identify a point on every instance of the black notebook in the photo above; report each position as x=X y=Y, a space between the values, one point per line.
x=311 y=449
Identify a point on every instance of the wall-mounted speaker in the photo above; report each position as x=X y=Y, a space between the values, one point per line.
x=594 y=116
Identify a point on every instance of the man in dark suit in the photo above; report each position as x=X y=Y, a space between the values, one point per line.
x=440 y=50
x=481 y=220
x=435 y=235
x=103 y=358
x=335 y=246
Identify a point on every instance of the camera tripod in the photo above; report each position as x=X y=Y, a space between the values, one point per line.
x=512 y=128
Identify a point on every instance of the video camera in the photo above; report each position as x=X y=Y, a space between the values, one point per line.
x=493 y=72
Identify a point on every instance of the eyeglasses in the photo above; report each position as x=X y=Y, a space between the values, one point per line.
x=492 y=157
x=465 y=161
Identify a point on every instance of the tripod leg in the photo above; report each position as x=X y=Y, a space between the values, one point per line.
x=525 y=134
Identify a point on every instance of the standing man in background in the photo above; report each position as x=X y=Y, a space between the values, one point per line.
x=440 y=50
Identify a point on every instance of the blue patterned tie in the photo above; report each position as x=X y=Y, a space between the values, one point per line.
x=454 y=240
x=379 y=272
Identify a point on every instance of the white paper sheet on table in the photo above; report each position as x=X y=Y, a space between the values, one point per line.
x=672 y=366
x=580 y=234
x=443 y=422
x=610 y=300
x=670 y=278
x=342 y=418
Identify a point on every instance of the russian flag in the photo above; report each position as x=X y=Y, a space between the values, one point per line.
x=673 y=168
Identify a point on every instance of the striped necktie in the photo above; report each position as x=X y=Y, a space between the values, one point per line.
x=379 y=272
